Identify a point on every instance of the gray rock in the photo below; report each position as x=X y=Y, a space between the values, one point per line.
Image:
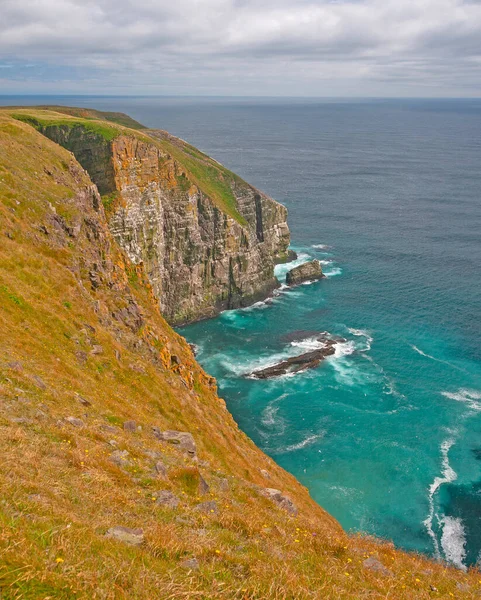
x=161 y=469
x=133 y=537
x=83 y=400
x=97 y=349
x=130 y=426
x=203 y=486
x=281 y=500
x=306 y=272
x=265 y=474
x=75 y=422
x=190 y=563
x=183 y=439
x=15 y=366
x=39 y=382
x=167 y=498
x=224 y=484
x=120 y=458
x=463 y=587
x=109 y=428
x=208 y=507
x=373 y=564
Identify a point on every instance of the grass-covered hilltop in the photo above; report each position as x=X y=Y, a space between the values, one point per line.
x=123 y=475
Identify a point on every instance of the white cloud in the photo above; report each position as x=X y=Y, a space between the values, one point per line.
x=263 y=46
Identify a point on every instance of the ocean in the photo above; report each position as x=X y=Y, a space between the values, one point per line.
x=386 y=434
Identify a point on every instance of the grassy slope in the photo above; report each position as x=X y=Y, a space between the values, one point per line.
x=208 y=175
x=60 y=491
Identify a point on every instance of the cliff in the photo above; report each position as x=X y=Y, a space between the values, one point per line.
x=123 y=475
x=206 y=239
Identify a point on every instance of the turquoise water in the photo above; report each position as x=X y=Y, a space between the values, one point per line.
x=387 y=433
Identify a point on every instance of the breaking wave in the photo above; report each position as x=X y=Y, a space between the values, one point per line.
x=307 y=441
x=453 y=541
x=472 y=398
x=448 y=475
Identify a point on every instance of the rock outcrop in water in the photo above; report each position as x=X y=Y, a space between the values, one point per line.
x=308 y=360
x=206 y=239
x=308 y=271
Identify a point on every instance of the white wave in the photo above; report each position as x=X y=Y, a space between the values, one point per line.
x=439 y=360
x=335 y=271
x=310 y=343
x=344 y=349
x=271 y=419
x=423 y=353
x=280 y=271
x=308 y=441
x=471 y=398
x=256 y=306
x=321 y=246
x=365 y=335
x=453 y=541
x=326 y=262
x=448 y=475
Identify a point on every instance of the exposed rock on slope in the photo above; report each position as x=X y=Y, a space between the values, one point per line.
x=123 y=475
x=206 y=239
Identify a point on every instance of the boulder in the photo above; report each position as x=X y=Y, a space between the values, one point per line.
x=183 y=439
x=281 y=500
x=130 y=426
x=133 y=537
x=305 y=272
x=74 y=421
x=120 y=458
x=190 y=563
x=167 y=498
x=161 y=469
x=373 y=564
x=203 y=486
x=208 y=507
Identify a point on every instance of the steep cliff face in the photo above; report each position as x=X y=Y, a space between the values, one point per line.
x=207 y=240
x=123 y=475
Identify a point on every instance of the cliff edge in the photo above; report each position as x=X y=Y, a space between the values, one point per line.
x=123 y=475
x=207 y=240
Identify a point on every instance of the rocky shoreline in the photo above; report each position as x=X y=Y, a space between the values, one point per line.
x=302 y=362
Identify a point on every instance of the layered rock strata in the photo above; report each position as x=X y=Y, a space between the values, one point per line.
x=200 y=256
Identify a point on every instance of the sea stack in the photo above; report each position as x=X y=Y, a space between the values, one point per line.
x=305 y=272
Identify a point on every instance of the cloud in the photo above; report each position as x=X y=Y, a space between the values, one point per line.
x=372 y=47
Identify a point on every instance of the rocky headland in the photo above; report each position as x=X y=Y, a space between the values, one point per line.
x=123 y=474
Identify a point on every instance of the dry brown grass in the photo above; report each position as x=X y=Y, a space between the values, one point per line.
x=60 y=491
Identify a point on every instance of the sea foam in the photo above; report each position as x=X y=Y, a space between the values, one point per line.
x=448 y=475
x=453 y=541
x=472 y=398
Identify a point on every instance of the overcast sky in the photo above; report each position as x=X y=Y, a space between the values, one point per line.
x=242 y=47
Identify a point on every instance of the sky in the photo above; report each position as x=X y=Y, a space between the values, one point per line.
x=325 y=48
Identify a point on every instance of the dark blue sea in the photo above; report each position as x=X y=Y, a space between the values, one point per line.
x=386 y=434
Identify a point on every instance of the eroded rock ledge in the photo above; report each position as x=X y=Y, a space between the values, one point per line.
x=295 y=364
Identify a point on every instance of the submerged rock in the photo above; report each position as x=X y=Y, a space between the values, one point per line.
x=308 y=360
x=305 y=272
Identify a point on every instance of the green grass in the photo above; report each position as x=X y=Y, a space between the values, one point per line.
x=213 y=179
x=108 y=133
x=90 y=113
